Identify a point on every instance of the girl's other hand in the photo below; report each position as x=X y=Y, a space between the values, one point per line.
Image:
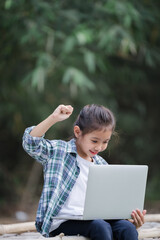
x=137 y=217
x=62 y=112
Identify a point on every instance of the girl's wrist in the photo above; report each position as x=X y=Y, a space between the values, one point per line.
x=53 y=119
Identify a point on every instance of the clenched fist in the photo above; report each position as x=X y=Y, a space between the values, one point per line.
x=62 y=112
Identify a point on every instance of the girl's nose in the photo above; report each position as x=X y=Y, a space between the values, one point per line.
x=98 y=148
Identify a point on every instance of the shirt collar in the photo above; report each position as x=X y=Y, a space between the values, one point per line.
x=71 y=148
x=96 y=159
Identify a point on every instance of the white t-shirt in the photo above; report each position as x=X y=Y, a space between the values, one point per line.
x=74 y=205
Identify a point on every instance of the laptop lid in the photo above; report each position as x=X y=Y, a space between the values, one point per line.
x=114 y=191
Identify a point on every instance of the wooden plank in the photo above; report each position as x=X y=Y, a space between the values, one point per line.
x=149 y=233
x=152 y=218
x=30 y=226
x=17 y=227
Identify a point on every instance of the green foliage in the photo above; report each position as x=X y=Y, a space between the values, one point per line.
x=80 y=52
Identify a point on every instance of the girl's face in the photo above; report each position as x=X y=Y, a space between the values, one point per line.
x=92 y=143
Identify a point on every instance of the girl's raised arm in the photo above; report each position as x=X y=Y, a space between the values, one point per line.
x=61 y=113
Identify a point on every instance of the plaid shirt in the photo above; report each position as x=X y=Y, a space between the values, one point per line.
x=60 y=169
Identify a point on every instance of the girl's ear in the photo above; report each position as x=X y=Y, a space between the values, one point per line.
x=77 y=131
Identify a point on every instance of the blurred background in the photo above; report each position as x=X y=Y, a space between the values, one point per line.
x=77 y=52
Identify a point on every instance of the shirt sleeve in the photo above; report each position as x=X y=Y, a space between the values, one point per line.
x=37 y=147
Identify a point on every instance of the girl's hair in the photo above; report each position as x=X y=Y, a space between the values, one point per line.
x=95 y=117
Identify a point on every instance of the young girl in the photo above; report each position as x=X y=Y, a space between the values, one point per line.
x=66 y=166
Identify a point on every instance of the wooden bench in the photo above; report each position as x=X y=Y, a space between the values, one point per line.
x=30 y=226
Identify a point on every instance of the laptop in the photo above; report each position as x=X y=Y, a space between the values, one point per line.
x=113 y=192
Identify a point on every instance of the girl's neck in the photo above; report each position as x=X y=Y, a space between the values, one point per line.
x=82 y=155
x=89 y=159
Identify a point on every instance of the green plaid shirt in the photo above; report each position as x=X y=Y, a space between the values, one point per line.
x=60 y=169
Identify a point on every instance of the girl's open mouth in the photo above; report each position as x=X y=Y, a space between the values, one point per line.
x=94 y=153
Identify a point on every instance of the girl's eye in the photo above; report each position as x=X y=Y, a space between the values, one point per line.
x=94 y=141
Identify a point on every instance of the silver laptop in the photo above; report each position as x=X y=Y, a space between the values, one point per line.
x=113 y=191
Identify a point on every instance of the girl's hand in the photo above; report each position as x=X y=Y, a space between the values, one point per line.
x=62 y=112
x=137 y=217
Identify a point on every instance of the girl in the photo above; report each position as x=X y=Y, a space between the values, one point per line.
x=66 y=166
